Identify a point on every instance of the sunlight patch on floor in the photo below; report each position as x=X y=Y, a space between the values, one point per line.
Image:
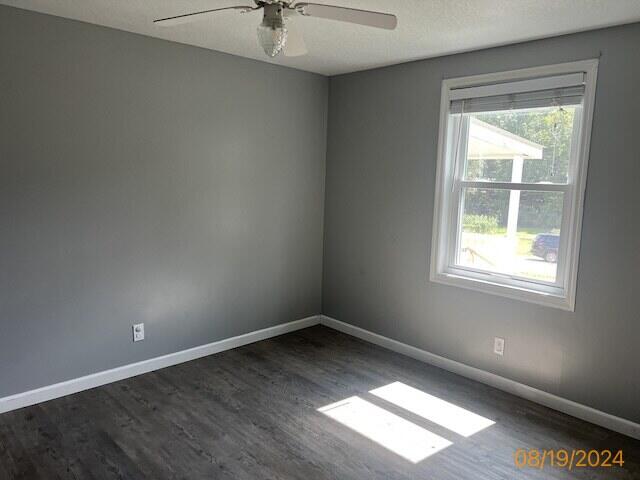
x=450 y=416
x=394 y=433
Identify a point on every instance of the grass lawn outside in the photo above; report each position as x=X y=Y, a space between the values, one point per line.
x=489 y=251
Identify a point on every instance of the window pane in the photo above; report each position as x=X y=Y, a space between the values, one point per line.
x=530 y=145
x=511 y=232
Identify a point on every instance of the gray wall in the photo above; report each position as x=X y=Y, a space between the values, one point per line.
x=142 y=181
x=147 y=181
x=381 y=163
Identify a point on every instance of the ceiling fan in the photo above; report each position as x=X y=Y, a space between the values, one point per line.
x=277 y=32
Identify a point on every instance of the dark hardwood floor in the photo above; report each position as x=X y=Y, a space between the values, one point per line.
x=252 y=413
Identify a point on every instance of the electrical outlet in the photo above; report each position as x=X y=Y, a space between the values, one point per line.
x=498 y=346
x=138 y=332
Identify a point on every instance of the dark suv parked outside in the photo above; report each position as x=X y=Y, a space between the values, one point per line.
x=546 y=245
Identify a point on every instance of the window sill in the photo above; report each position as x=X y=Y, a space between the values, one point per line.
x=552 y=299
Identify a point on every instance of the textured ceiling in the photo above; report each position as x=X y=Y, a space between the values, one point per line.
x=426 y=28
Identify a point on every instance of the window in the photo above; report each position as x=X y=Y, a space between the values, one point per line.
x=512 y=163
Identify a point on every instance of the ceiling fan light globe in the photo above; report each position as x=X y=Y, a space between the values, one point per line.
x=272 y=39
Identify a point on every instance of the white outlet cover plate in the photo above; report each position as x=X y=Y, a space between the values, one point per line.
x=138 y=332
x=498 y=346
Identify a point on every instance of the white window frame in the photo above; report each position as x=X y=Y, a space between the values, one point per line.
x=443 y=269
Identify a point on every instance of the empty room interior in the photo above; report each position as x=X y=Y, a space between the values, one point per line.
x=357 y=239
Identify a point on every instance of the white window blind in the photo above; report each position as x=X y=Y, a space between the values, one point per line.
x=534 y=93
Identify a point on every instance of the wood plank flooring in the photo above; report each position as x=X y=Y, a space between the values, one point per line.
x=252 y=413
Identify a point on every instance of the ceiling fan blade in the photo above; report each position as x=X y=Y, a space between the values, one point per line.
x=192 y=17
x=295 y=46
x=351 y=15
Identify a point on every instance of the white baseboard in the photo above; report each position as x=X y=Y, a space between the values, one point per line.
x=569 y=407
x=75 y=385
